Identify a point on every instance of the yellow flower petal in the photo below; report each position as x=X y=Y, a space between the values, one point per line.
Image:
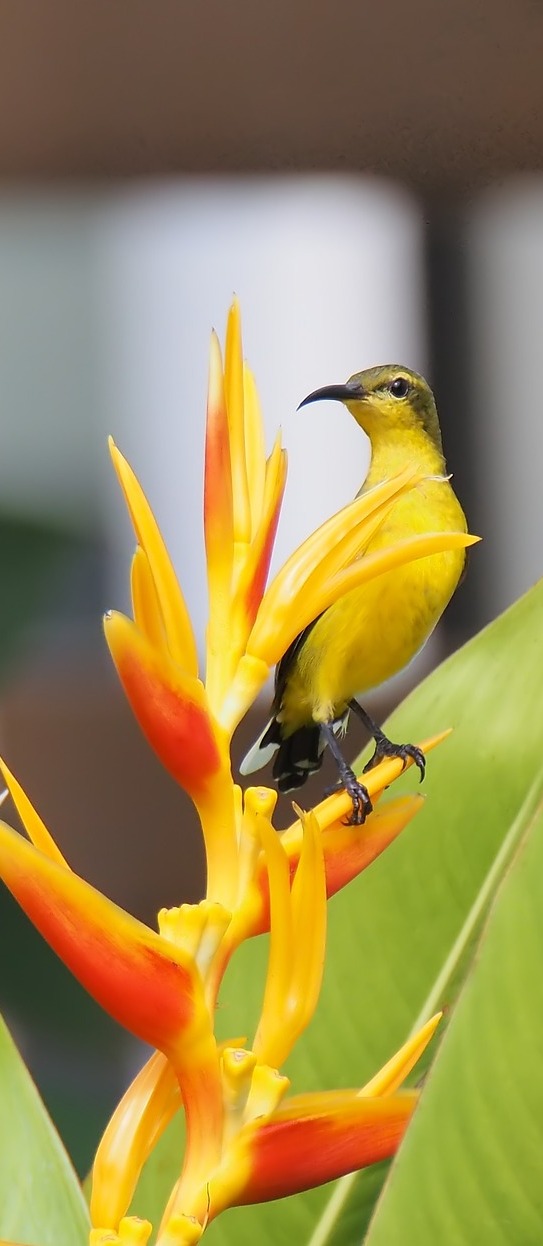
x=387 y=559
x=250 y=678
x=309 y=915
x=180 y=1231
x=268 y=1088
x=137 y=1123
x=353 y=524
x=177 y=624
x=275 y=629
x=297 y=942
x=309 y=555
x=147 y=984
x=255 y=453
x=169 y=704
x=147 y=614
x=132 y=1232
x=252 y=574
x=272 y=1017
x=218 y=504
x=236 y=422
x=393 y=1074
x=36 y=829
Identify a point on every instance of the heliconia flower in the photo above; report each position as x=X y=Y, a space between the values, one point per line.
x=316 y=1138
x=155 y=655
x=287 y=1145
x=247 y=1138
x=242 y=498
x=148 y=982
x=154 y=1096
x=334 y=856
x=347 y=849
x=250 y=626
x=163 y=986
x=171 y=706
x=218 y=491
x=160 y=582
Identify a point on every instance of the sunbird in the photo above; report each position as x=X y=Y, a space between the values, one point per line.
x=371 y=632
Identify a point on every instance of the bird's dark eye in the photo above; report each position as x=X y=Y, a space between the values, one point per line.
x=400 y=387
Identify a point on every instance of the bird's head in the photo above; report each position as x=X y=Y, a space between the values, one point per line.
x=385 y=399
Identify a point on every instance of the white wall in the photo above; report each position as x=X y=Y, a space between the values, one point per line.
x=329 y=274
x=106 y=305
x=504 y=233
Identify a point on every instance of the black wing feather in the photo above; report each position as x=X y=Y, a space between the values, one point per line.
x=284 y=666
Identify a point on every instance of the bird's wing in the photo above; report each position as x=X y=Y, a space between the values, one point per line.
x=285 y=665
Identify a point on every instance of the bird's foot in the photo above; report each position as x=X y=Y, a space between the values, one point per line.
x=360 y=798
x=406 y=752
x=358 y=793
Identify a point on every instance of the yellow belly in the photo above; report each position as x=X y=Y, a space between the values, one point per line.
x=373 y=632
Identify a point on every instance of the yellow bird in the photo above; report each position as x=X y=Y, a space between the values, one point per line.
x=372 y=632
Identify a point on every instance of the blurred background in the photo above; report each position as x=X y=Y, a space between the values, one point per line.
x=368 y=180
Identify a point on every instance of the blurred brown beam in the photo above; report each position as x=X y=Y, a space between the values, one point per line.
x=439 y=95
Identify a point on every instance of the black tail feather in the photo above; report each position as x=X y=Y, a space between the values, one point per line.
x=298 y=756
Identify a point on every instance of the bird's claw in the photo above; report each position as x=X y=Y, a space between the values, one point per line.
x=360 y=798
x=406 y=752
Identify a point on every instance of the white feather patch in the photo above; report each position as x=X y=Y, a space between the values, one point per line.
x=257 y=757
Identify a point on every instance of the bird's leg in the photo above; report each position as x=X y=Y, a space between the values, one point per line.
x=361 y=802
x=385 y=747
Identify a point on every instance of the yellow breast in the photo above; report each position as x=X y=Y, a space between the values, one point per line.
x=373 y=632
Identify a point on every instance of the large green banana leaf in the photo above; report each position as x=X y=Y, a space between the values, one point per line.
x=403 y=935
x=41 y=1203
x=470 y=1169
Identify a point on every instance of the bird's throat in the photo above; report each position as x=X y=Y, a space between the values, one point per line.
x=391 y=453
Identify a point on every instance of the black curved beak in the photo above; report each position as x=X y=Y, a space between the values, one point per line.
x=336 y=393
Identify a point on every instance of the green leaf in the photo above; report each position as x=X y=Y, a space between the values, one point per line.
x=41 y=1203
x=470 y=1168
x=402 y=936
